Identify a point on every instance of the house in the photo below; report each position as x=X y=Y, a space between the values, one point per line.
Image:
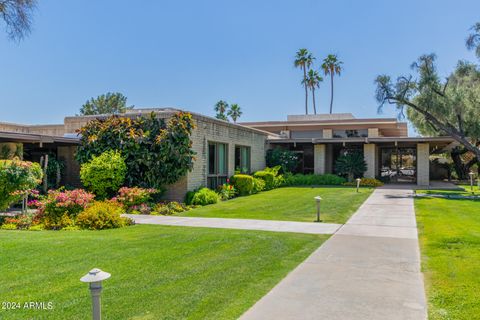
x=221 y=148
x=390 y=154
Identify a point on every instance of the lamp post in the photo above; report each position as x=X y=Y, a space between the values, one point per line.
x=95 y=277
x=318 y=199
x=471 y=174
x=358 y=183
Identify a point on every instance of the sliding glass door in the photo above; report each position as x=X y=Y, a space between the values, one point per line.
x=399 y=164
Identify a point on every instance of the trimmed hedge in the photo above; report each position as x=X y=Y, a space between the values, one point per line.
x=243 y=183
x=313 y=179
x=268 y=177
x=204 y=197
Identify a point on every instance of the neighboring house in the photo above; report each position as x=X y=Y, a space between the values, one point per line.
x=388 y=151
x=221 y=148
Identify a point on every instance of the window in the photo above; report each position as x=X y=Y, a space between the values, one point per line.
x=217 y=164
x=350 y=133
x=242 y=159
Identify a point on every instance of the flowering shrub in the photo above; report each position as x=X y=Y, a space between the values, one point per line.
x=170 y=208
x=16 y=178
x=132 y=198
x=102 y=215
x=366 y=182
x=226 y=191
x=22 y=221
x=60 y=208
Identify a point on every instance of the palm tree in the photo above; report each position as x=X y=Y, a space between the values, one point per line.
x=473 y=40
x=304 y=60
x=332 y=66
x=234 y=112
x=313 y=81
x=221 y=108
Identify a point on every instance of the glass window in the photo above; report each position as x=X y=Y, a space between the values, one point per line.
x=242 y=159
x=361 y=133
x=217 y=164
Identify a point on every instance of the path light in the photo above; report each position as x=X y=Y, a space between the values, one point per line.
x=471 y=180
x=358 y=183
x=95 y=277
x=318 y=199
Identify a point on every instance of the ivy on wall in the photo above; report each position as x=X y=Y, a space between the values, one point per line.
x=156 y=152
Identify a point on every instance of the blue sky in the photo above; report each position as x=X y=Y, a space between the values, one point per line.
x=190 y=54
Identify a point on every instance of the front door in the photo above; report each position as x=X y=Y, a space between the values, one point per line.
x=399 y=164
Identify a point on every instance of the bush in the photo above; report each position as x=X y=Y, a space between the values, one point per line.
x=366 y=182
x=351 y=165
x=16 y=178
x=258 y=185
x=204 y=197
x=267 y=177
x=60 y=208
x=132 y=198
x=102 y=215
x=103 y=175
x=286 y=159
x=313 y=179
x=22 y=221
x=243 y=183
x=8 y=226
x=226 y=191
x=170 y=208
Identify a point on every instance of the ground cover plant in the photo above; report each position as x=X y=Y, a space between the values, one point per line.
x=449 y=233
x=289 y=203
x=157 y=272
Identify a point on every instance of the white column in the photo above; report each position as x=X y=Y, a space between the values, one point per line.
x=370 y=159
x=423 y=164
x=319 y=158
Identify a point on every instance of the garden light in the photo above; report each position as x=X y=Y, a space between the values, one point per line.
x=318 y=199
x=358 y=183
x=95 y=277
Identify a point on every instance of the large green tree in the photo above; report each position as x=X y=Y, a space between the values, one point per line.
x=110 y=103
x=332 y=66
x=435 y=106
x=303 y=60
x=17 y=16
x=313 y=81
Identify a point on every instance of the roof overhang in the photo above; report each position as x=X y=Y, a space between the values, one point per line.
x=446 y=140
x=36 y=138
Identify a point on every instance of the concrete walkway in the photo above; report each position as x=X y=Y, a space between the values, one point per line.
x=244 y=224
x=369 y=269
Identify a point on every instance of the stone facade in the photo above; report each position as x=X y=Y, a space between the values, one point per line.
x=319 y=156
x=369 y=154
x=423 y=164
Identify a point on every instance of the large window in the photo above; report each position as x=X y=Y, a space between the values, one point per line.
x=242 y=159
x=217 y=164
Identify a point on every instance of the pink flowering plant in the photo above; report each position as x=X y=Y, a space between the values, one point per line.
x=60 y=208
x=135 y=199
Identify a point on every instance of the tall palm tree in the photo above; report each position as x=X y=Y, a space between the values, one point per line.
x=304 y=60
x=221 y=109
x=313 y=81
x=235 y=112
x=332 y=66
x=473 y=40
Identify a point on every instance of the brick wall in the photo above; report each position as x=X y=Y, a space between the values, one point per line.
x=369 y=155
x=319 y=158
x=423 y=164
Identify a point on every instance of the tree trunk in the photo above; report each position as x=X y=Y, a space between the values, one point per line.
x=306 y=89
x=331 y=92
x=314 y=106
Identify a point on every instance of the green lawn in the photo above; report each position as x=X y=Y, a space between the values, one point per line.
x=291 y=203
x=449 y=233
x=157 y=272
x=467 y=191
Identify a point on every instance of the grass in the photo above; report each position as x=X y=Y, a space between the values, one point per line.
x=449 y=231
x=290 y=203
x=158 y=272
x=465 y=192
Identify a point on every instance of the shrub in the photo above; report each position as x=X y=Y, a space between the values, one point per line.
x=313 y=179
x=156 y=151
x=366 y=182
x=351 y=164
x=226 y=191
x=258 y=185
x=36 y=227
x=9 y=226
x=102 y=215
x=286 y=159
x=22 y=221
x=243 y=183
x=268 y=177
x=16 y=178
x=204 y=197
x=170 y=208
x=131 y=198
x=60 y=208
x=103 y=175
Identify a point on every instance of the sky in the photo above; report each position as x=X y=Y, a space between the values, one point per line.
x=190 y=54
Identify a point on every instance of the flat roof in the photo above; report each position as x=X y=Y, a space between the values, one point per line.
x=36 y=138
x=323 y=122
x=363 y=140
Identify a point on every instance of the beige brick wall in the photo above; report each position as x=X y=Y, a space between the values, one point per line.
x=369 y=154
x=319 y=157
x=327 y=133
x=423 y=164
x=373 y=132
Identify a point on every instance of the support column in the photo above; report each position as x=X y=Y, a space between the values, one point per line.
x=423 y=164
x=370 y=159
x=319 y=158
